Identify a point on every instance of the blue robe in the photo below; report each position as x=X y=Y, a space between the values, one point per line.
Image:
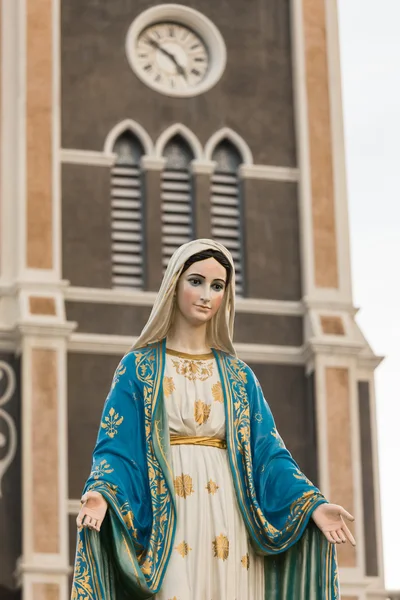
x=132 y=470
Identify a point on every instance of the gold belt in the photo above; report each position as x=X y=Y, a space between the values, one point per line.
x=197 y=441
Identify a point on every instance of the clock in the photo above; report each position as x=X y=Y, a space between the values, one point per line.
x=175 y=50
x=172 y=55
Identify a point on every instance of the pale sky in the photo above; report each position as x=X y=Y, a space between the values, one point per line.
x=370 y=55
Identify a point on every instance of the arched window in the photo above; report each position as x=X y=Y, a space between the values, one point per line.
x=127 y=214
x=225 y=204
x=176 y=197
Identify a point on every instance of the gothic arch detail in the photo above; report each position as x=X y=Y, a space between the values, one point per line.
x=184 y=132
x=226 y=133
x=136 y=129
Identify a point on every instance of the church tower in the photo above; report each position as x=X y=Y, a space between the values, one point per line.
x=129 y=127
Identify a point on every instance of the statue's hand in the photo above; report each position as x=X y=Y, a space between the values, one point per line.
x=93 y=511
x=329 y=518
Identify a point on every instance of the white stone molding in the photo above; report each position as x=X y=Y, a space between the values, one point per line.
x=194 y=20
x=45 y=332
x=136 y=129
x=243 y=305
x=338 y=151
x=270 y=173
x=9 y=439
x=185 y=132
x=303 y=149
x=226 y=133
x=108 y=296
x=12 y=131
x=96 y=343
x=87 y=157
x=269 y=307
x=152 y=163
x=74 y=506
x=203 y=167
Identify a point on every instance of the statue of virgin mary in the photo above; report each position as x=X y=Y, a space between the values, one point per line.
x=192 y=493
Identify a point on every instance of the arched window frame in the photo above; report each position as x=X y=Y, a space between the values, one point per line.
x=177 y=228
x=127 y=204
x=226 y=188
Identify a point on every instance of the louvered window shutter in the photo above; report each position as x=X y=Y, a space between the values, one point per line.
x=225 y=205
x=127 y=214
x=176 y=198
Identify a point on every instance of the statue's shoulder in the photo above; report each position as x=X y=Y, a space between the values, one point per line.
x=136 y=356
x=238 y=366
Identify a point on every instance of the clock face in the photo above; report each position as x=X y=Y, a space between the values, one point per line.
x=171 y=57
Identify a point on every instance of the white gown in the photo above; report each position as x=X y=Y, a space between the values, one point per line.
x=212 y=558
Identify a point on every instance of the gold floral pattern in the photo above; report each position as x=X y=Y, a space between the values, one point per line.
x=246 y=561
x=201 y=412
x=111 y=423
x=120 y=370
x=81 y=588
x=301 y=477
x=212 y=487
x=148 y=368
x=101 y=469
x=147 y=566
x=194 y=369
x=221 y=547
x=168 y=386
x=129 y=519
x=217 y=392
x=183 y=486
x=278 y=438
x=183 y=548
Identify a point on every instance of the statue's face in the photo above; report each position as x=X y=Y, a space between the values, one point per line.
x=200 y=291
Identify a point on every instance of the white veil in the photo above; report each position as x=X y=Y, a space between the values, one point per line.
x=219 y=328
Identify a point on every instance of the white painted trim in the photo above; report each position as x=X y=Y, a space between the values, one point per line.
x=263 y=353
x=185 y=132
x=153 y=163
x=356 y=462
x=136 y=129
x=226 y=133
x=63 y=449
x=46 y=332
x=369 y=376
x=303 y=150
x=245 y=305
x=87 y=157
x=74 y=506
x=270 y=173
x=338 y=151
x=203 y=167
x=322 y=425
x=10 y=132
x=328 y=305
x=95 y=343
x=194 y=20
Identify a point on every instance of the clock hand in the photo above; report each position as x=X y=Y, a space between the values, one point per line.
x=179 y=67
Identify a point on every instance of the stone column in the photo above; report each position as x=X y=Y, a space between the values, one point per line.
x=32 y=316
x=337 y=353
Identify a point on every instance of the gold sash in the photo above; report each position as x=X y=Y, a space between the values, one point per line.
x=197 y=441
